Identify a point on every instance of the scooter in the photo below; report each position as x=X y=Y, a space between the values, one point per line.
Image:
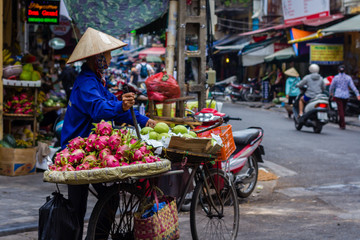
x=315 y=112
x=222 y=88
x=242 y=165
x=251 y=92
x=236 y=91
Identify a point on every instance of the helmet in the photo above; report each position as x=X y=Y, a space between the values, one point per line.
x=314 y=68
x=341 y=68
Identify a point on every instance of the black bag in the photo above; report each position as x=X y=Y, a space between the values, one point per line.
x=57 y=220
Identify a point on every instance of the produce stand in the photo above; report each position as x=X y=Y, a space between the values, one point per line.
x=25 y=117
x=107 y=174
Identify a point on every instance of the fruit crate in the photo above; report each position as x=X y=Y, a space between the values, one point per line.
x=225 y=132
x=176 y=155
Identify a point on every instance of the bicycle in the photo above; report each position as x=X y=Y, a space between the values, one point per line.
x=214 y=212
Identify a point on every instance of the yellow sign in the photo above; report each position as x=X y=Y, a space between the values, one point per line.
x=326 y=54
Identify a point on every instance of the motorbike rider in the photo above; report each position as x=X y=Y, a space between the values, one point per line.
x=315 y=86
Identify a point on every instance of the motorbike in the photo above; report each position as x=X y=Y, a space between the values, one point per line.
x=118 y=91
x=242 y=165
x=315 y=112
x=222 y=88
x=236 y=91
x=251 y=92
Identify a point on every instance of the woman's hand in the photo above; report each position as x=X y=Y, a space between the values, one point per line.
x=128 y=100
x=150 y=123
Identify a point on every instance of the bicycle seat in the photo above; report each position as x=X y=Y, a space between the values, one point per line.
x=245 y=137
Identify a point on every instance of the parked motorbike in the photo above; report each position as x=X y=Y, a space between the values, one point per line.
x=251 y=92
x=333 y=111
x=242 y=166
x=315 y=112
x=236 y=91
x=118 y=91
x=222 y=88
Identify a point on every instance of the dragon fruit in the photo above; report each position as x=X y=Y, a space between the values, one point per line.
x=76 y=143
x=148 y=160
x=103 y=128
x=29 y=111
x=103 y=153
x=122 y=151
x=133 y=141
x=83 y=166
x=111 y=161
x=91 y=160
x=137 y=162
x=137 y=155
x=68 y=167
x=101 y=142
x=114 y=142
x=90 y=142
x=57 y=160
x=19 y=110
x=27 y=104
x=53 y=167
x=121 y=164
x=65 y=154
x=76 y=156
x=144 y=150
x=23 y=96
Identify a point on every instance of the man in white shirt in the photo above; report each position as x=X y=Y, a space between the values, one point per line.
x=144 y=71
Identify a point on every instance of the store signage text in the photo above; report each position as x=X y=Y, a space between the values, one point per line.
x=43 y=11
x=326 y=54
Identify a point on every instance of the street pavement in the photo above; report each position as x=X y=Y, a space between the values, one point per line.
x=22 y=196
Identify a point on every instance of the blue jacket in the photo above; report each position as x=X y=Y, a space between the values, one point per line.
x=290 y=86
x=90 y=102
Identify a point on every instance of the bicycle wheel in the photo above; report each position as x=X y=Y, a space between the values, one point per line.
x=214 y=221
x=112 y=217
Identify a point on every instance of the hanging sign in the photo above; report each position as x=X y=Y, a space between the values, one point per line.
x=42 y=12
x=327 y=54
x=300 y=10
x=63 y=27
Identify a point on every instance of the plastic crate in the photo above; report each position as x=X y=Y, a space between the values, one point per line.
x=225 y=132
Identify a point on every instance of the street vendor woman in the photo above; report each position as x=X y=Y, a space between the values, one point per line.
x=90 y=102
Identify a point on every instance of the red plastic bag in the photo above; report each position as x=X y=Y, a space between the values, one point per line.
x=162 y=86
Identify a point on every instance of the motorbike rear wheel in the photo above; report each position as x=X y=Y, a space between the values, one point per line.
x=298 y=125
x=317 y=129
x=246 y=186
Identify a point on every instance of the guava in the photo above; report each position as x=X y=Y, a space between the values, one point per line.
x=153 y=135
x=25 y=75
x=28 y=67
x=161 y=127
x=186 y=135
x=146 y=130
x=193 y=134
x=166 y=135
x=180 y=129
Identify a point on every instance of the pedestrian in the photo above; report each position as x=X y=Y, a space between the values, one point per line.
x=277 y=87
x=340 y=85
x=90 y=102
x=144 y=70
x=315 y=85
x=291 y=91
x=67 y=77
x=134 y=76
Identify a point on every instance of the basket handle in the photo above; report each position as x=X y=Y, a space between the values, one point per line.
x=221 y=121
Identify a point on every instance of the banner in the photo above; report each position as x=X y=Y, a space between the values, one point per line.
x=300 y=10
x=326 y=54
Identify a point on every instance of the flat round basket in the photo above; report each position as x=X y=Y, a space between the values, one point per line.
x=107 y=174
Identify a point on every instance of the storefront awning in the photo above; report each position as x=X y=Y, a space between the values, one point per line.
x=115 y=17
x=273 y=28
x=349 y=25
x=323 y=20
x=257 y=56
x=284 y=54
x=157 y=51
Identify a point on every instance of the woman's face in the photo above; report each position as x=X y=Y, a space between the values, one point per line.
x=107 y=57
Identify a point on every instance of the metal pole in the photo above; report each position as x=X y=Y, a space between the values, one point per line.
x=1 y=71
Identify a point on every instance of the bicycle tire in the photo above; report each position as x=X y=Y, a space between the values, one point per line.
x=128 y=199
x=210 y=225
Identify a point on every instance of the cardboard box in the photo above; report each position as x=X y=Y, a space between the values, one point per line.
x=17 y=161
x=196 y=145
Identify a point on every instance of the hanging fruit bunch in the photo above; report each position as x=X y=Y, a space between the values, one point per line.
x=105 y=147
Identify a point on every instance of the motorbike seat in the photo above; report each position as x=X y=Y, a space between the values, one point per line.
x=245 y=137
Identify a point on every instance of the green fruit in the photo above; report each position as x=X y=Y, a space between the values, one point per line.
x=186 y=135
x=28 y=67
x=162 y=135
x=161 y=127
x=180 y=129
x=17 y=63
x=153 y=135
x=146 y=130
x=193 y=134
x=35 y=76
x=25 y=75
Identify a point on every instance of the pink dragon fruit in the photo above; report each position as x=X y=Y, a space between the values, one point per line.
x=53 y=167
x=137 y=155
x=90 y=142
x=114 y=142
x=101 y=142
x=103 y=153
x=83 y=166
x=144 y=150
x=103 y=128
x=111 y=161
x=29 y=111
x=15 y=98
x=19 y=110
x=121 y=164
x=68 y=167
x=95 y=168
x=76 y=143
x=133 y=141
x=23 y=96
x=122 y=151
x=91 y=160
x=64 y=154
x=76 y=156
x=57 y=160
x=137 y=162
x=27 y=104
x=148 y=160
x=123 y=131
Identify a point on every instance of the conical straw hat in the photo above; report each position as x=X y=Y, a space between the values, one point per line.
x=94 y=42
x=292 y=72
